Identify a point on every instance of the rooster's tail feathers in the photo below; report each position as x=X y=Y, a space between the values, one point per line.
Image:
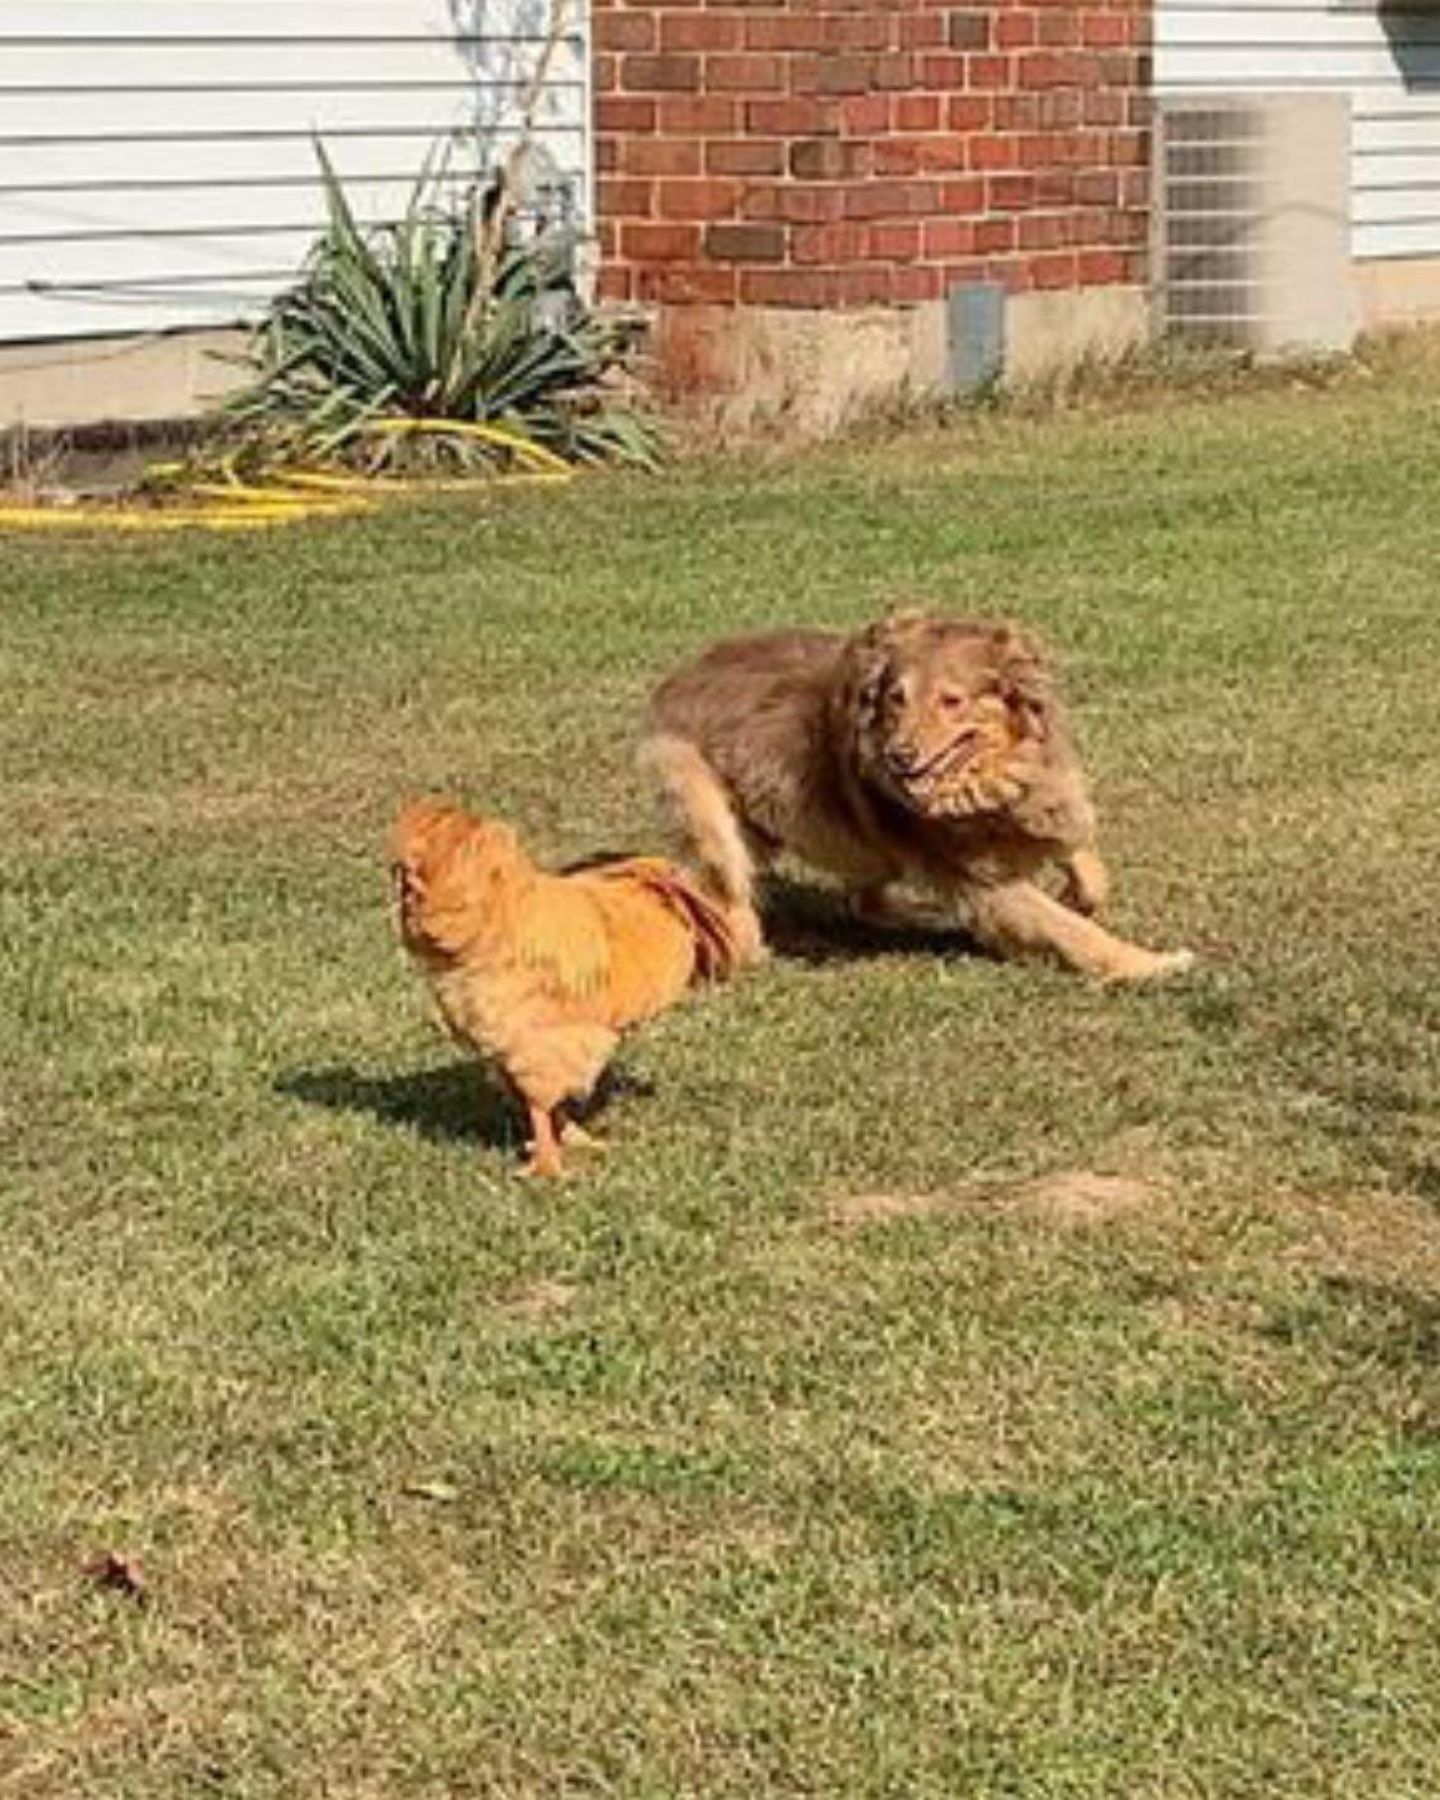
x=716 y=951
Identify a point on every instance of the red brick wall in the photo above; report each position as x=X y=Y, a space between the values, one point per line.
x=830 y=153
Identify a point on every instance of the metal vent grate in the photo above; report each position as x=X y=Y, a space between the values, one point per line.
x=1252 y=221
x=1211 y=168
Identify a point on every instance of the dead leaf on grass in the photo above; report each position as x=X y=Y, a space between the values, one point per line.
x=1075 y=1197
x=120 y=1574
x=442 y=1492
x=540 y=1298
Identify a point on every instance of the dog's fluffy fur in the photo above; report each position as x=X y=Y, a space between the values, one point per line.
x=920 y=752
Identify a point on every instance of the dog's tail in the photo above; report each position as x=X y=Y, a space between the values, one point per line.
x=704 y=817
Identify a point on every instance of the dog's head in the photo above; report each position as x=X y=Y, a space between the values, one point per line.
x=948 y=714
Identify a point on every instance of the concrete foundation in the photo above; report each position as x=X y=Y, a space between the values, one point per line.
x=809 y=371
x=1402 y=290
x=89 y=381
x=805 y=371
x=813 y=371
x=1049 y=333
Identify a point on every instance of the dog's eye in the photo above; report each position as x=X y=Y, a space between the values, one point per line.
x=951 y=701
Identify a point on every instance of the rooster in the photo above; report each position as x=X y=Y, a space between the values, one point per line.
x=539 y=973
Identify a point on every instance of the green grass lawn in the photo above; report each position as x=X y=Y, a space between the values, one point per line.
x=958 y=1381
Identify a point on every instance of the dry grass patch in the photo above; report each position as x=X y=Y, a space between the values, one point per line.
x=1080 y=1197
x=856 y=1210
x=1069 y=1197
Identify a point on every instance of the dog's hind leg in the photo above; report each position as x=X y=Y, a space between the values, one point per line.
x=885 y=907
x=712 y=834
x=1016 y=918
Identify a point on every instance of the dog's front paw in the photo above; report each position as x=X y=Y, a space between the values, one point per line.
x=1086 y=886
x=1152 y=966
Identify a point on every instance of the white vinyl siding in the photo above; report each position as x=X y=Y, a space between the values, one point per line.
x=1388 y=63
x=157 y=162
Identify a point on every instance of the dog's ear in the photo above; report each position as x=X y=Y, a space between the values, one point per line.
x=872 y=654
x=867 y=658
x=905 y=616
x=883 y=637
x=1023 y=678
x=904 y=625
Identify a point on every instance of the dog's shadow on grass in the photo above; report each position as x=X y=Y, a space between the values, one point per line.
x=456 y=1103
x=811 y=925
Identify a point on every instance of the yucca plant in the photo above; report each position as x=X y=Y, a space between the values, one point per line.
x=437 y=339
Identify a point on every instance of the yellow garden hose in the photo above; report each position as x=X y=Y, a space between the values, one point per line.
x=116 y=518
x=521 y=448
x=231 y=503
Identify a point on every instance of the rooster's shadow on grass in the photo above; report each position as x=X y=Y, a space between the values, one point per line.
x=459 y=1102
x=454 y=1103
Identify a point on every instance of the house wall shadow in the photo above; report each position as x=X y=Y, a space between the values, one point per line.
x=496 y=54
x=499 y=42
x=1413 y=35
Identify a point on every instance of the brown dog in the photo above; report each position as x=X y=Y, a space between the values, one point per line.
x=926 y=752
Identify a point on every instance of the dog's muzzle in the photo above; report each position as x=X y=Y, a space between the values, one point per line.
x=908 y=764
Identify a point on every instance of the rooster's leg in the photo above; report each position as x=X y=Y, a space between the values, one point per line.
x=544 y=1146
x=574 y=1136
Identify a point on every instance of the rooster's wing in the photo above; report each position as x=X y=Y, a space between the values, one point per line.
x=560 y=934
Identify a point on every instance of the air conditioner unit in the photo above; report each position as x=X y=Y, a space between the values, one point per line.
x=1252 y=221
